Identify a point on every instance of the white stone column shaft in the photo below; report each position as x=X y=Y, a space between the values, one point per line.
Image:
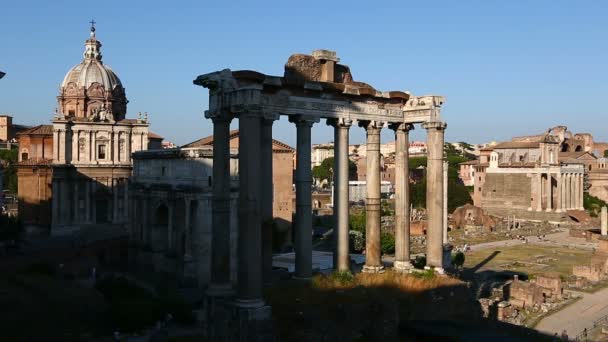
x=373 y=253
x=266 y=183
x=445 y=203
x=558 y=197
x=434 y=195
x=303 y=217
x=249 y=286
x=220 y=219
x=539 y=194
x=341 y=205
x=549 y=192
x=402 y=198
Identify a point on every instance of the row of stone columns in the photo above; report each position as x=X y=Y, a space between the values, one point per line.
x=569 y=191
x=255 y=200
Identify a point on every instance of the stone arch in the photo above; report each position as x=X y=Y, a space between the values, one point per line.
x=565 y=148
x=579 y=148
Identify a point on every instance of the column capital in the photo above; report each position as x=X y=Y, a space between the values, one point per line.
x=339 y=122
x=303 y=120
x=268 y=118
x=372 y=124
x=218 y=116
x=401 y=126
x=438 y=125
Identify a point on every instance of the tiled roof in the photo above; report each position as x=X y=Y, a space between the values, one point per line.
x=152 y=135
x=208 y=141
x=38 y=130
x=574 y=155
x=517 y=144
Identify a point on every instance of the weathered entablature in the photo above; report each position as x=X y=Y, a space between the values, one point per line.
x=233 y=91
x=313 y=87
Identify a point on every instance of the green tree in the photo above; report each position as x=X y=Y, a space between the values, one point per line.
x=9 y=158
x=458 y=260
x=324 y=171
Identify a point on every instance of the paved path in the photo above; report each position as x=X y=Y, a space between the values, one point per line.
x=578 y=316
x=560 y=239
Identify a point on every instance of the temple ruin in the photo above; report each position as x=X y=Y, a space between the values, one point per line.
x=313 y=87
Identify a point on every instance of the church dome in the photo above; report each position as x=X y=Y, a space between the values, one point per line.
x=91 y=71
x=91 y=86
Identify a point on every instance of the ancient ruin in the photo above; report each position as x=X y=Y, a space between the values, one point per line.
x=313 y=87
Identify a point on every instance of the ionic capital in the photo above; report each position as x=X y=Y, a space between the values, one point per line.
x=435 y=125
x=303 y=120
x=218 y=116
x=401 y=126
x=371 y=125
x=269 y=118
x=340 y=122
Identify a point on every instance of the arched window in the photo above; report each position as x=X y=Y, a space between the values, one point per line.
x=24 y=156
x=579 y=148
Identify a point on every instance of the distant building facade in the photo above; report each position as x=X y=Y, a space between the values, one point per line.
x=170 y=213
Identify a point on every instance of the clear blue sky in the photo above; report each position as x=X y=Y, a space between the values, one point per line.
x=506 y=67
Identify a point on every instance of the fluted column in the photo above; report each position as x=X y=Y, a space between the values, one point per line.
x=549 y=193
x=434 y=195
x=402 y=197
x=220 y=220
x=303 y=217
x=266 y=183
x=539 y=195
x=341 y=130
x=373 y=257
x=249 y=287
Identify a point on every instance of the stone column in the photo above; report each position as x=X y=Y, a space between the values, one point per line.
x=373 y=257
x=445 y=203
x=604 y=221
x=434 y=196
x=558 y=197
x=187 y=231
x=249 y=287
x=402 y=197
x=266 y=183
x=575 y=193
x=341 y=130
x=170 y=208
x=581 y=193
x=539 y=195
x=64 y=209
x=549 y=192
x=220 y=220
x=303 y=217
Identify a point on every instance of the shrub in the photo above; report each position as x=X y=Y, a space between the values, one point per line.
x=419 y=262
x=458 y=259
x=342 y=277
x=387 y=243
x=357 y=240
x=426 y=274
x=357 y=222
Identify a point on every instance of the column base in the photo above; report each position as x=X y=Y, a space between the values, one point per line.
x=231 y=322
x=372 y=269
x=220 y=290
x=558 y=210
x=402 y=266
x=548 y=210
x=529 y=208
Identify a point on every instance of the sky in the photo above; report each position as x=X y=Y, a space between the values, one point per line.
x=507 y=68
